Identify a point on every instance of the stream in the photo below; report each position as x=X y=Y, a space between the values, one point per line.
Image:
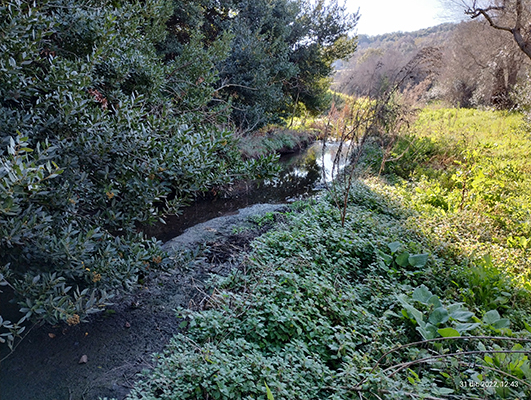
x=303 y=173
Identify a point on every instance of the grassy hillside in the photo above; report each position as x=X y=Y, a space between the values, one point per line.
x=422 y=293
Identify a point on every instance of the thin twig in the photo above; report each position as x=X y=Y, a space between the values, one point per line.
x=405 y=365
x=16 y=345
x=500 y=372
x=385 y=391
x=421 y=342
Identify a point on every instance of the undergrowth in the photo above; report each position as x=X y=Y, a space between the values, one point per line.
x=421 y=293
x=468 y=176
x=272 y=140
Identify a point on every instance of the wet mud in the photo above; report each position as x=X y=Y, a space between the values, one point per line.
x=119 y=342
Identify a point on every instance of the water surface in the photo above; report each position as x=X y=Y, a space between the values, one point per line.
x=303 y=173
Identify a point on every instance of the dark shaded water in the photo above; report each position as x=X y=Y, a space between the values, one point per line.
x=302 y=174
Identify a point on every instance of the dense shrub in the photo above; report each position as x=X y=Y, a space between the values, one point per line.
x=97 y=137
x=281 y=56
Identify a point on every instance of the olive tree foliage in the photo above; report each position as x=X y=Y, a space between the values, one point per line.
x=98 y=135
x=481 y=67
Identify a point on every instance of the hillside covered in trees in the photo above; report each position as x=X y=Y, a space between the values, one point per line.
x=467 y=64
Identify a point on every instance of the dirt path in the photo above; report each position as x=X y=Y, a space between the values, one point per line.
x=119 y=342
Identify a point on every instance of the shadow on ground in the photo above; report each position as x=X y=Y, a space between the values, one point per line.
x=119 y=342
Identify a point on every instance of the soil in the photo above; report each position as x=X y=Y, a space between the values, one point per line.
x=119 y=342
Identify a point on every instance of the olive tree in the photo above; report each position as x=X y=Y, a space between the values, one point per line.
x=513 y=16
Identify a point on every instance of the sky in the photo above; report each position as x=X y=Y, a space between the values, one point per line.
x=384 y=16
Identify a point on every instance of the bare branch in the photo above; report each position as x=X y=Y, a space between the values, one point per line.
x=489 y=13
x=474 y=13
x=402 y=366
x=498 y=371
x=421 y=342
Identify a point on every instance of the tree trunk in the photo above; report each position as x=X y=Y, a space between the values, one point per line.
x=499 y=95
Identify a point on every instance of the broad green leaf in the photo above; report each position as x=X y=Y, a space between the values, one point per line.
x=418 y=260
x=422 y=294
x=439 y=316
x=501 y=300
x=466 y=327
x=491 y=317
x=394 y=246
x=403 y=299
x=445 y=391
x=499 y=358
x=435 y=302
x=461 y=315
x=414 y=314
x=526 y=370
x=501 y=323
x=448 y=332
x=428 y=331
x=387 y=259
x=402 y=259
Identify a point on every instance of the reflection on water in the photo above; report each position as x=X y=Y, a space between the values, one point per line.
x=303 y=173
x=320 y=163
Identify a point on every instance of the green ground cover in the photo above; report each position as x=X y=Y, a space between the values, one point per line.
x=422 y=293
x=273 y=140
x=468 y=176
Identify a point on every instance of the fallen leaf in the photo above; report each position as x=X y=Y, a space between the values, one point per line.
x=83 y=359
x=51 y=335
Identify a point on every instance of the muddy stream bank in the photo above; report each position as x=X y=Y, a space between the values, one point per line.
x=119 y=342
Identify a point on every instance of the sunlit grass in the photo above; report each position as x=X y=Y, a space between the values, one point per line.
x=470 y=183
x=322 y=297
